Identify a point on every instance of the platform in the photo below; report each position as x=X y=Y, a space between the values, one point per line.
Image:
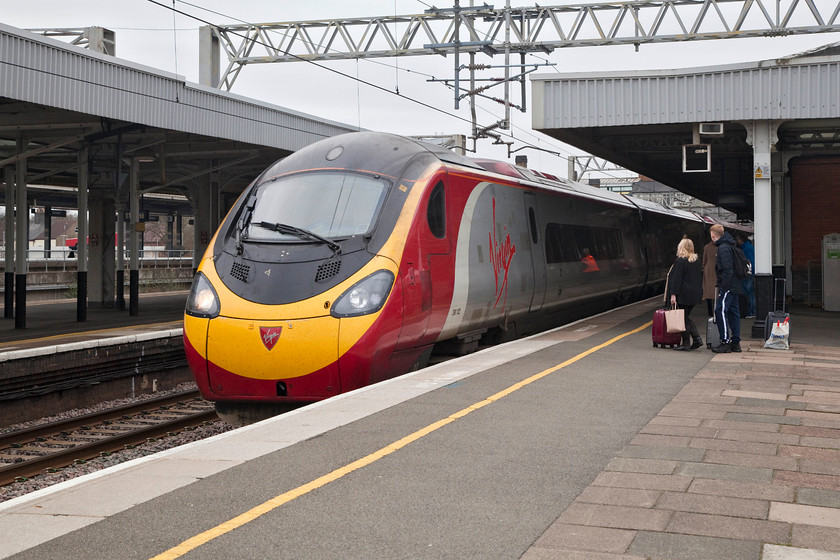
x=52 y=322
x=582 y=442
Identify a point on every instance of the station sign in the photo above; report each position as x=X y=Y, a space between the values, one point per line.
x=697 y=158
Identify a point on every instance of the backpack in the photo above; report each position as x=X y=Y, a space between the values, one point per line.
x=740 y=263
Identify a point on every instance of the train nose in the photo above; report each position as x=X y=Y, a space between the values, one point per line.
x=273 y=358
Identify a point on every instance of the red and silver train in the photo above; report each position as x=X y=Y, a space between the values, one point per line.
x=351 y=260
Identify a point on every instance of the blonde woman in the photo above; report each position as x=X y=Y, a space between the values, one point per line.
x=685 y=288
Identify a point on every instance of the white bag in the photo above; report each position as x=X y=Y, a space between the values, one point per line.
x=779 y=335
x=674 y=319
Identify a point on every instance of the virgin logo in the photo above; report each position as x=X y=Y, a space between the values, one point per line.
x=270 y=336
x=501 y=254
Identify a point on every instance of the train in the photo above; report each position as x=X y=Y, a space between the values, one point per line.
x=359 y=257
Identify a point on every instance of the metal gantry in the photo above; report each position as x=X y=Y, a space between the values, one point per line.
x=530 y=29
x=489 y=30
x=590 y=164
x=97 y=39
x=485 y=29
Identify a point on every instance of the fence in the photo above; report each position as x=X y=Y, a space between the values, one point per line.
x=63 y=259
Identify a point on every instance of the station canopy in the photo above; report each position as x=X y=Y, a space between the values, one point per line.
x=56 y=98
x=644 y=120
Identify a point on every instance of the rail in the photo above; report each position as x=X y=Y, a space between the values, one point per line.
x=30 y=452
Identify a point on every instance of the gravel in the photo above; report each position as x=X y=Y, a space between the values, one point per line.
x=48 y=479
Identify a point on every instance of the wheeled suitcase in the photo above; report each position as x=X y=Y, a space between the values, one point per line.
x=712 y=334
x=779 y=314
x=661 y=336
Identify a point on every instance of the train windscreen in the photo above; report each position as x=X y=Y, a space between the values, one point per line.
x=330 y=204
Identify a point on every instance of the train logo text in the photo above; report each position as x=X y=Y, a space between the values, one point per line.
x=501 y=255
x=270 y=336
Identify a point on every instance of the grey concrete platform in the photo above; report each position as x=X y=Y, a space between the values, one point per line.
x=583 y=442
x=55 y=322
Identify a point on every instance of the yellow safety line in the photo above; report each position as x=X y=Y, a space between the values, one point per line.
x=252 y=514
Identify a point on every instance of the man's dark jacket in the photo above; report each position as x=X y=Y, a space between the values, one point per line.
x=725 y=265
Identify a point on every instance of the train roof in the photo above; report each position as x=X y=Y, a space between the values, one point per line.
x=552 y=182
x=651 y=206
x=728 y=225
x=448 y=156
x=582 y=189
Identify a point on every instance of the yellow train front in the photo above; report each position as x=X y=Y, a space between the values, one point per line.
x=295 y=299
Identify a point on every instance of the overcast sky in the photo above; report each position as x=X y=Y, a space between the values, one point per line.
x=156 y=36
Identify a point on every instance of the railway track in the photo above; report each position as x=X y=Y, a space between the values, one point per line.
x=51 y=446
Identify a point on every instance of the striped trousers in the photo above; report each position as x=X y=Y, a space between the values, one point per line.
x=728 y=317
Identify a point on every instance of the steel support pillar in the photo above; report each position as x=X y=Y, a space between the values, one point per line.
x=206 y=206
x=9 y=244
x=21 y=237
x=101 y=269
x=119 y=296
x=762 y=136
x=82 y=242
x=134 y=247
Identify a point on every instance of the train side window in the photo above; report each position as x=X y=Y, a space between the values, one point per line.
x=565 y=243
x=557 y=246
x=436 y=211
x=532 y=219
x=552 y=245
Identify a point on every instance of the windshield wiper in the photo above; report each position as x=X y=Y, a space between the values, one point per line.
x=243 y=222
x=302 y=233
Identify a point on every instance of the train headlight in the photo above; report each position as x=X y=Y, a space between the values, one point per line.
x=202 y=301
x=366 y=296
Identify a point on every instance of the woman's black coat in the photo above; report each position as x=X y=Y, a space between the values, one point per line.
x=686 y=282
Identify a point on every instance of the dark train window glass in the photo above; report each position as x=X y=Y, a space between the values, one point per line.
x=436 y=211
x=560 y=244
x=566 y=243
x=532 y=219
x=552 y=244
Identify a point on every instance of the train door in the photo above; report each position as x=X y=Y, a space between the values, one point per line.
x=537 y=253
x=424 y=265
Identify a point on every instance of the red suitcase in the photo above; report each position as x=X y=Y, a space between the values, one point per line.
x=661 y=337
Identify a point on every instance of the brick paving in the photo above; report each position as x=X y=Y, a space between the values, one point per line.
x=743 y=464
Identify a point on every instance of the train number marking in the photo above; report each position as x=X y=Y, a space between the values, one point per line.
x=501 y=254
x=269 y=336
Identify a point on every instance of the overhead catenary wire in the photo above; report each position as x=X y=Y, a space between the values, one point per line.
x=357 y=79
x=321 y=66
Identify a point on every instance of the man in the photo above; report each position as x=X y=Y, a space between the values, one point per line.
x=727 y=313
x=588 y=262
x=748 y=282
x=709 y=276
